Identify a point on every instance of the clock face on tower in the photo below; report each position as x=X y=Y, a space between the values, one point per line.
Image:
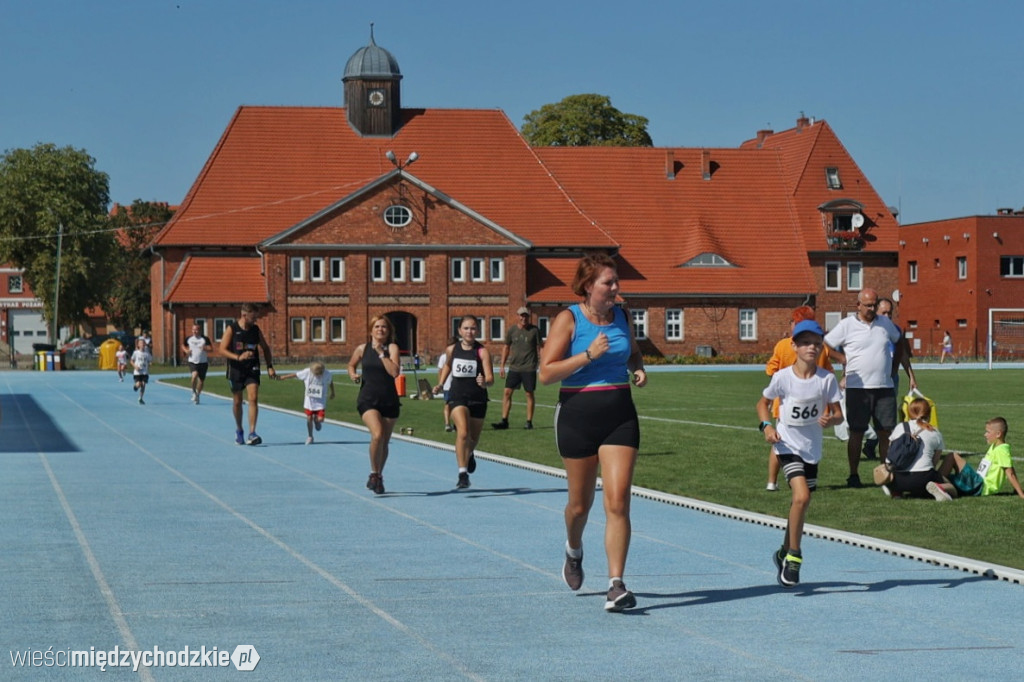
x=376 y=97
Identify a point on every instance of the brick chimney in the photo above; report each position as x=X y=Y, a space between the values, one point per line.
x=762 y=135
x=705 y=163
x=802 y=123
x=670 y=164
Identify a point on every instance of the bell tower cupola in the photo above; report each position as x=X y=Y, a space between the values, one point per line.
x=373 y=91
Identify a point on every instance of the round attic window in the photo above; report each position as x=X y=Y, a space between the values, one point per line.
x=397 y=216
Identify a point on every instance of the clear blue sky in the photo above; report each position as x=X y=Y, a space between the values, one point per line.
x=926 y=96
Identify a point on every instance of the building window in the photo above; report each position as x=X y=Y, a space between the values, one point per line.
x=962 y=323
x=543 y=324
x=961 y=267
x=748 y=324
x=298 y=327
x=397 y=269
x=337 y=269
x=833 y=274
x=201 y=323
x=338 y=329
x=497 y=328
x=854 y=276
x=674 y=325
x=458 y=270
x=397 y=215
x=912 y=270
x=476 y=269
x=317 y=331
x=707 y=260
x=832 y=178
x=298 y=269
x=639 y=324
x=219 y=325
x=911 y=324
x=316 y=270
x=938 y=263
x=831 y=320
x=377 y=272
x=417 y=270
x=497 y=269
x=1011 y=266
x=14 y=284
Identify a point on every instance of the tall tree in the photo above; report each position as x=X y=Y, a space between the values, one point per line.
x=128 y=303
x=584 y=121
x=54 y=201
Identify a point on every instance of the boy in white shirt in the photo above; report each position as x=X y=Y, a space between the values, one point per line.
x=140 y=361
x=809 y=403
x=319 y=387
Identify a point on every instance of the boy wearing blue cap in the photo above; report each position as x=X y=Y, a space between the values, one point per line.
x=809 y=403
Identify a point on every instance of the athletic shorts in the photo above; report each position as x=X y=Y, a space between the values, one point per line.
x=388 y=410
x=528 y=380
x=238 y=383
x=914 y=483
x=142 y=378
x=586 y=420
x=199 y=369
x=793 y=466
x=866 y=405
x=320 y=414
x=967 y=481
x=476 y=410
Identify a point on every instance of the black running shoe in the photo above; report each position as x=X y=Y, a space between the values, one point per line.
x=528 y=425
x=378 y=487
x=463 y=481
x=500 y=426
x=471 y=464
x=853 y=482
x=371 y=482
x=572 y=572
x=789 y=574
x=619 y=598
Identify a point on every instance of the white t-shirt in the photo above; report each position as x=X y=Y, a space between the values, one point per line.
x=931 y=440
x=316 y=389
x=440 y=363
x=197 y=349
x=140 y=361
x=868 y=349
x=803 y=403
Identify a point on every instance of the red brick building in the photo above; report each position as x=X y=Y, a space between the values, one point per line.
x=328 y=216
x=952 y=272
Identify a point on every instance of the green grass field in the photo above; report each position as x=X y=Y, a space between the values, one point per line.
x=699 y=439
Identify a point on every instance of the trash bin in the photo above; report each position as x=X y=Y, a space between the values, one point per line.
x=40 y=363
x=108 y=353
x=49 y=360
x=400 y=385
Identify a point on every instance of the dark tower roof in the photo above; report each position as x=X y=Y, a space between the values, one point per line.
x=372 y=62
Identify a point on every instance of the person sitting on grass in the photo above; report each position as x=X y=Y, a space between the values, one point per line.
x=809 y=403
x=319 y=388
x=920 y=479
x=995 y=469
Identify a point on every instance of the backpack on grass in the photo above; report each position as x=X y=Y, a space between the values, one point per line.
x=904 y=451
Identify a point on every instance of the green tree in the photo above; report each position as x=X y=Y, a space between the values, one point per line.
x=128 y=302
x=584 y=121
x=51 y=195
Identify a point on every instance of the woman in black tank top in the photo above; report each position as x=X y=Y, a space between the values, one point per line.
x=378 y=399
x=469 y=364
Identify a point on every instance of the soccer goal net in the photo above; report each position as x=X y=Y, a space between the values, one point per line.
x=1005 y=335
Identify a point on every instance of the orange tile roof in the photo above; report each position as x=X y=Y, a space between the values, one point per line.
x=743 y=213
x=275 y=166
x=218 y=279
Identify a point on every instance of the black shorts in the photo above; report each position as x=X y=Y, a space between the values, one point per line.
x=142 y=378
x=913 y=483
x=238 y=383
x=199 y=369
x=793 y=466
x=866 y=405
x=528 y=380
x=476 y=410
x=387 y=408
x=586 y=420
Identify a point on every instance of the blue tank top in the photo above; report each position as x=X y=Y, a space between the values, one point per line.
x=608 y=371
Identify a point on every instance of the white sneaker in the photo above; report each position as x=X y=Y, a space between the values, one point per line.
x=309 y=440
x=936 y=491
x=885 y=489
x=772 y=486
x=193 y=396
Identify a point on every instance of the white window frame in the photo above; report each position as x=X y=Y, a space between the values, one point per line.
x=317 y=331
x=397 y=269
x=337 y=270
x=912 y=271
x=15 y=284
x=297 y=269
x=497 y=269
x=301 y=335
x=836 y=267
x=832 y=178
x=496 y=326
x=219 y=325
x=674 y=318
x=832 y=319
x=417 y=270
x=201 y=323
x=747 y=324
x=316 y=270
x=638 y=316
x=378 y=269
x=854 y=276
x=961 y=267
x=458 y=269
x=338 y=329
x=476 y=270
x=544 y=325
x=1014 y=266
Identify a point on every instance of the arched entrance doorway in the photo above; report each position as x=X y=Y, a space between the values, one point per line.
x=405 y=331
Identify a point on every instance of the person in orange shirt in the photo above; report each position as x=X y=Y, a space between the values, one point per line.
x=784 y=356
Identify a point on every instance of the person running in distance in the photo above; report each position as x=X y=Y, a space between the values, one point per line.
x=141 y=360
x=591 y=350
x=319 y=388
x=377 y=402
x=122 y=362
x=241 y=345
x=469 y=364
x=196 y=348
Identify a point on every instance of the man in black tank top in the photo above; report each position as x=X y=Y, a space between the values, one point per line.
x=241 y=345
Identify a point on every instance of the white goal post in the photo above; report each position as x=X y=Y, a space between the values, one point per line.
x=1005 y=334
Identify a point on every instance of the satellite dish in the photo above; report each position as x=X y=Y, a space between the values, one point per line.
x=896 y=295
x=857 y=220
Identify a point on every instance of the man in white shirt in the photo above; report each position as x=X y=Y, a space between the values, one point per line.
x=867 y=342
x=196 y=348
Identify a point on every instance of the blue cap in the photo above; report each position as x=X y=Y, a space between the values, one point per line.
x=807 y=326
